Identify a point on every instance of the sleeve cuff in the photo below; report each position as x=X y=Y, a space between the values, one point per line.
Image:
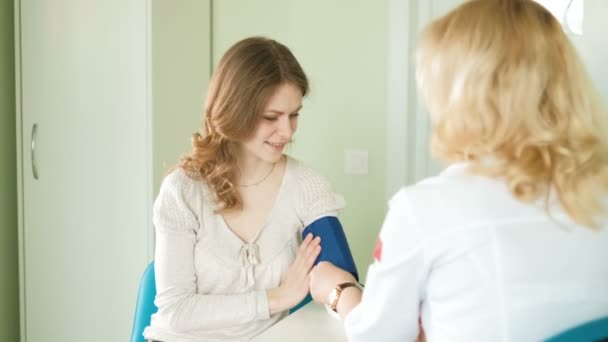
x=261 y=305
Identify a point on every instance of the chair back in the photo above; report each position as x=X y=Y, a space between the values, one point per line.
x=591 y=331
x=145 y=304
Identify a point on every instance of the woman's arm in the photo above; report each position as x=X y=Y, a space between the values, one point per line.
x=296 y=282
x=179 y=304
x=349 y=299
x=188 y=310
x=388 y=309
x=324 y=278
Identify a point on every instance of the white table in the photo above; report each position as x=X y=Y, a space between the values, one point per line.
x=311 y=323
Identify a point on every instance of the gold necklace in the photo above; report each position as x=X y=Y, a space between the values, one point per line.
x=261 y=180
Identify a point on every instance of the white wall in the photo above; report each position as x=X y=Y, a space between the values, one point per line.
x=592 y=45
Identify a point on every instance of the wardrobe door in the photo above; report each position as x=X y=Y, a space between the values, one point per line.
x=85 y=177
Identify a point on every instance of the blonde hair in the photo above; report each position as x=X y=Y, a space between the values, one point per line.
x=502 y=81
x=246 y=77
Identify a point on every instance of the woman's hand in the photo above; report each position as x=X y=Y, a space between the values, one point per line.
x=295 y=285
x=325 y=277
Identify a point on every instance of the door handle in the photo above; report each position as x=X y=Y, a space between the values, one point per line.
x=34 y=138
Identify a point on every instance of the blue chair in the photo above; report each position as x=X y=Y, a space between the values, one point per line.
x=592 y=331
x=145 y=304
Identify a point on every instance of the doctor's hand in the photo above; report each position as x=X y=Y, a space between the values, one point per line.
x=295 y=284
x=324 y=278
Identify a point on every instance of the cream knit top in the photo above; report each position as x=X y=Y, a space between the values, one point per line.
x=211 y=286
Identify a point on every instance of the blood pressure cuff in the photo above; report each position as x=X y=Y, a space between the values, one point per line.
x=334 y=247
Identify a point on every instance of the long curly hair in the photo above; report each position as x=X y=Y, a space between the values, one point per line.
x=247 y=75
x=502 y=82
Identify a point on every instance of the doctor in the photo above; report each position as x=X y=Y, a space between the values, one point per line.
x=509 y=242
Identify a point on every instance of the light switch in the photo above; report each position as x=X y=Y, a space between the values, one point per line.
x=356 y=162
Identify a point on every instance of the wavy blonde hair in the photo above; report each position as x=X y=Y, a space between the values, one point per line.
x=247 y=75
x=502 y=80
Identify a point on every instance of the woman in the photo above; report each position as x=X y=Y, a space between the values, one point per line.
x=509 y=242
x=229 y=220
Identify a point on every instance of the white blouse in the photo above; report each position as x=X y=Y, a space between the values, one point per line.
x=478 y=265
x=211 y=286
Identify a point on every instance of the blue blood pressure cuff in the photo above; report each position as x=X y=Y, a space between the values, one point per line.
x=334 y=247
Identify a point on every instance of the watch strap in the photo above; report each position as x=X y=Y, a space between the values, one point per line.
x=334 y=304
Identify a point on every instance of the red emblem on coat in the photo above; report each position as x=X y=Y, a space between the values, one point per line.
x=378 y=250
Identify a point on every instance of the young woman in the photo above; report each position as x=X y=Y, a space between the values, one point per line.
x=230 y=261
x=509 y=243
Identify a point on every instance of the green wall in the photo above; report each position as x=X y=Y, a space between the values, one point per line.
x=181 y=64
x=342 y=46
x=9 y=279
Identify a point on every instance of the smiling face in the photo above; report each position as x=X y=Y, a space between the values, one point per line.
x=277 y=123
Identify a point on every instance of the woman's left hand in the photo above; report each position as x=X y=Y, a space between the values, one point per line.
x=325 y=277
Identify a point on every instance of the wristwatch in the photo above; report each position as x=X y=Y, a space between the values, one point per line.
x=334 y=295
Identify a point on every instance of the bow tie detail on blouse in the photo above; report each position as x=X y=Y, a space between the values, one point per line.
x=249 y=258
